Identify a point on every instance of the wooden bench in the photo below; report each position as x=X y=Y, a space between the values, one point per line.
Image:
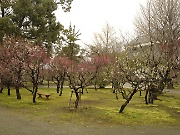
x=47 y=95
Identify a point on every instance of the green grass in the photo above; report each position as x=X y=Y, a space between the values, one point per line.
x=96 y=107
x=177 y=87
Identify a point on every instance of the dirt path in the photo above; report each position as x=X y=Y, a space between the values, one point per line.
x=12 y=123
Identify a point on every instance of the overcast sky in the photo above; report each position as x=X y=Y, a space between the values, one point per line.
x=90 y=16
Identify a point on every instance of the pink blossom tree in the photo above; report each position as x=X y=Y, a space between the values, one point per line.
x=1 y=84
x=36 y=60
x=80 y=75
x=57 y=69
x=5 y=60
x=13 y=57
x=19 y=57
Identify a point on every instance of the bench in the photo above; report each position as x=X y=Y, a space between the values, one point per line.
x=47 y=95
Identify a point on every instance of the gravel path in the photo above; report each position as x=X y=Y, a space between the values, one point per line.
x=12 y=123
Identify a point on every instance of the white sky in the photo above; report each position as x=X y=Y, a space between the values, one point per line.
x=90 y=16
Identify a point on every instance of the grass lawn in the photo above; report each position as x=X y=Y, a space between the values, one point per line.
x=96 y=107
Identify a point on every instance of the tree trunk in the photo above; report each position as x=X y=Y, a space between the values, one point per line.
x=127 y=101
x=18 y=95
x=140 y=93
x=34 y=94
x=146 y=98
x=9 y=90
x=58 y=87
x=151 y=98
x=1 y=89
x=70 y=99
x=77 y=99
x=33 y=88
x=114 y=91
x=82 y=91
x=116 y=95
x=60 y=93
x=62 y=84
x=95 y=85
x=48 y=83
x=112 y=85
x=2 y=12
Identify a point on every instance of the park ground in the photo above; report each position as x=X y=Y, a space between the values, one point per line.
x=13 y=123
x=16 y=122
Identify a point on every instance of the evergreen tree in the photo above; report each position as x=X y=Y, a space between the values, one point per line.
x=32 y=19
